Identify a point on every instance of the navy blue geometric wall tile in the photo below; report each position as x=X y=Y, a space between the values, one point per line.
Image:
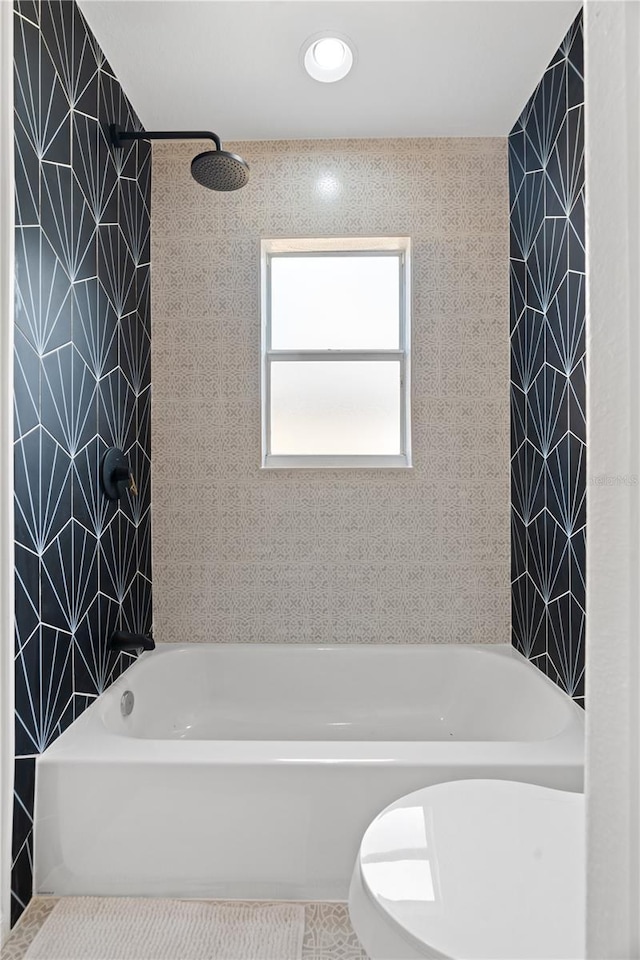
x=518 y=416
x=518 y=276
x=43 y=292
x=95 y=327
x=55 y=111
x=70 y=47
x=518 y=546
x=27 y=174
x=90 y=507
x=72 y=237
x=82 y=383
x=27 y=591
x=527 y=481
x=96 y=173
x=143 y=293
x=24 y=776
x=529 y=338
x=143 y=534
x=26 y=385
x=548 y=371
x=566 y=324
x=528 y=617
x=30 y=9
x=22 y=836
x=577 y=546
x=44 y=686
x=95 y=665
x=577 y=234
x=577 y=400
x=42 y=489
x=68 y=391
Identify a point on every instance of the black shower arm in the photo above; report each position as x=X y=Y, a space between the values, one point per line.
x=118 y=135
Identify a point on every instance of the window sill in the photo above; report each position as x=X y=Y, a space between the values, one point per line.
x=272 y=462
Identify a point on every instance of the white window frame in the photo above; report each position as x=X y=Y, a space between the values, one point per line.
x=370 y=246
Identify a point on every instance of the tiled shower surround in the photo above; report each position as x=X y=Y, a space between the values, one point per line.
x=548 y=450
x=82 y=384
x=326 y=556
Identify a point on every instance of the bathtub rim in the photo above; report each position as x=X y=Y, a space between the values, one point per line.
x=78 y=742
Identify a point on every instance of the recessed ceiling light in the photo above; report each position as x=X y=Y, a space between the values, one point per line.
x=327 y=59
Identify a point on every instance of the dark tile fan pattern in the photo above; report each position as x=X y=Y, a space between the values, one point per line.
x=548 y=437
x=82 y=384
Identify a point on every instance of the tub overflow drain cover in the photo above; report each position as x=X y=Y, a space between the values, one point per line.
x=126 y=703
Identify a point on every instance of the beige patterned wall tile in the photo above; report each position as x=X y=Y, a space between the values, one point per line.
x=199 y=282
x=474 y=358
x=247 y=554
x=428 y=522
x=197 y=601
x=335 y=602
x=460 y=439
x=188 y=360
x=200 y=441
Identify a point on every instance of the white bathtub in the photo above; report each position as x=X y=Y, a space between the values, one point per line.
x=252 y=771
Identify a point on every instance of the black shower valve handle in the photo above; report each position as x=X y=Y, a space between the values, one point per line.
x=116 y=475
x=123 y=474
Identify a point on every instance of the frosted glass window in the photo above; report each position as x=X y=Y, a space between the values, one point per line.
x=335 y=352
x=335 y=408
x=335 y=303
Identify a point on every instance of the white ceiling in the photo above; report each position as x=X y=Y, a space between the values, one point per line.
x=425 y=68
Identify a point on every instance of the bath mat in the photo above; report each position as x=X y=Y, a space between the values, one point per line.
x=113 y=928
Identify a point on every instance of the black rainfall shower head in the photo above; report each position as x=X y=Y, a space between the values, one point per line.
x=219 y=170
x=215 y=169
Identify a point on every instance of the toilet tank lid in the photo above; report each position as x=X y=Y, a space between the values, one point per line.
x=481 y=869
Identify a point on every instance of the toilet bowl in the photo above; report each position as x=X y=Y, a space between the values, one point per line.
x=473 y=869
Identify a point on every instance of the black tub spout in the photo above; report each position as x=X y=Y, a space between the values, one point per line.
x=123 y=642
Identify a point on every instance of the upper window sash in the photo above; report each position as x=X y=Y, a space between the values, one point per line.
x=368 y=318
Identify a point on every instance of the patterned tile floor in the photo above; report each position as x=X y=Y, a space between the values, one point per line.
x=328 y=934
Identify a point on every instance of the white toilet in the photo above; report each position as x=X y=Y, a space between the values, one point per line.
x=470 y=869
